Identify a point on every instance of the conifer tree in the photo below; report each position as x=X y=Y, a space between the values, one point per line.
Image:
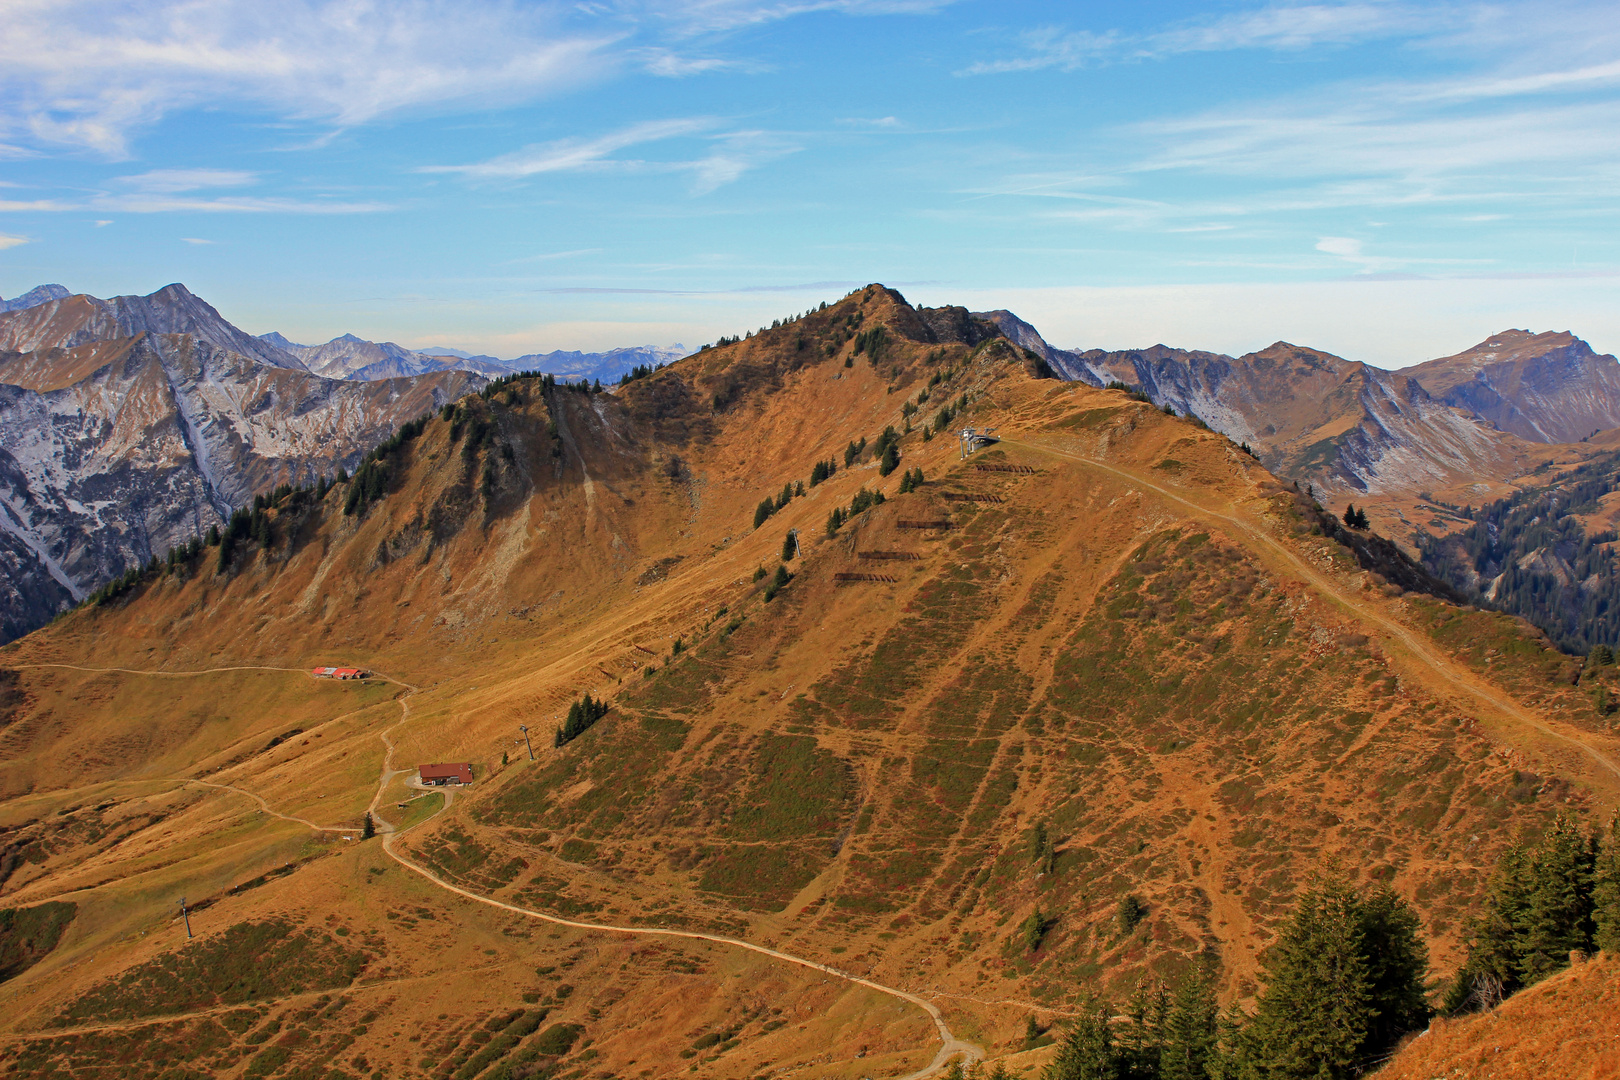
x=1350 y=515
x=1141 y=1037
x=1312 y=1019
x=1397 y=968
x=1606 y=891
x=1033 y=930
x=1087 y=1051
x=368 y=830
x=891 y=460
x=1187 y=1043
x=1492 y=970
x=1041 y=852
x=1558 y=915
x=790 y=546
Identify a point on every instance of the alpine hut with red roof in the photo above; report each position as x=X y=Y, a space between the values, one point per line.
x=459 y=772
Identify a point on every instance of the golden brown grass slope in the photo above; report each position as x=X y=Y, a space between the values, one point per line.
x=1113 y=626
x=1566 y=1027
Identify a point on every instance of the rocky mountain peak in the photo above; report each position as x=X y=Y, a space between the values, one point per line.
x=1547 y=387
x=39 y=294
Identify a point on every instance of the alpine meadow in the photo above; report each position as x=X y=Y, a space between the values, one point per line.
x=1122 y=584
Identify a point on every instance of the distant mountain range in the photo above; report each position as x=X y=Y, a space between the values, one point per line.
x=1486 y=415
x=350 y=357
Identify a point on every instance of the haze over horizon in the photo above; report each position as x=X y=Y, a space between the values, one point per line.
x=1386 y=181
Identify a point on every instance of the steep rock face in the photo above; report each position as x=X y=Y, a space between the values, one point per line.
x=1381 y=433
x=1067 y=363
x=39 y=294
x=77 y=320
x=1550 y=387
x=114 y=451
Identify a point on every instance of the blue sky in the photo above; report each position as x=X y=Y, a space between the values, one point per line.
x=1385 y=180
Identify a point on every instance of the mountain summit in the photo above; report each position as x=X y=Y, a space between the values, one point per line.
x=66 y=322
x=1549 y=387
x=39 y=294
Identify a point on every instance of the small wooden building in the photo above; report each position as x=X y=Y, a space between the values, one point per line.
x=457 y=772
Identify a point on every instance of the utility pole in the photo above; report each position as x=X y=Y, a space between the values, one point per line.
x=525 y=729
x=186 y=915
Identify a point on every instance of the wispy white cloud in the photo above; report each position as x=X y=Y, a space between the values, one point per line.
x=713 y=16
x=1276 y=27
x=173 y=181
x=91 y=72
x=731 y=154
x=1536 y=128
x=736 y=153
x=549 y=256
x=571 y=155
x=9 y=241
x=159 y=203
x=195 y=240
x=672 y=65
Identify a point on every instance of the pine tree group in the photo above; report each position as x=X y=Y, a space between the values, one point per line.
x=1543 y=903
x=1345 y=980
x=581 y=715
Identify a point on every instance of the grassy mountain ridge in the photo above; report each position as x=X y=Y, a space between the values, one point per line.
x=1126 y=634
